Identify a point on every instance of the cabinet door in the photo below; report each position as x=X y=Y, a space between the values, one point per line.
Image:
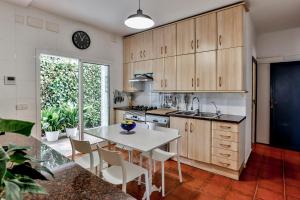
x=206 y=71
x=133 y=48
x=230 y=27
x=186 y=37
x=206 y=32
x=230 y=69
x=139 y=46
x=183 y=126
x=147 y=45
x=170 y=40
x=158 y=74
x=186 y=72
x=199 y=140
x=127 y=75
x=126 y=50
x=119 y=116
x=158 y=43
x=142 y=67
x=170 y=73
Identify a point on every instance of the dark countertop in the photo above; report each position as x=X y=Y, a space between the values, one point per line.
x=71 y=181
x=125 y=108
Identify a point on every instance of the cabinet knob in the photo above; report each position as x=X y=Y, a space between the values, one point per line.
x=191 y=127
x=192 y=82
x=220 y=81
x=141 y=54
x=198 y=82
x=165 y=82
x=144 y=53
x=166 y=49
x=161 y=50
x=162 y=83
x=197 y=44
x=192 y=44
x=220 y=40
x=186 y=127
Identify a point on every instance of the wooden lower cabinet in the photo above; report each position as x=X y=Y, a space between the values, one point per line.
x=119 y=116
x=195 y=141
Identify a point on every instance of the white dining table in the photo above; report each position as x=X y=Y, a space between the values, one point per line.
x=143 y=140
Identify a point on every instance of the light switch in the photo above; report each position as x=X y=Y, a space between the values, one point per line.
x=22 y=107
x=9 y=80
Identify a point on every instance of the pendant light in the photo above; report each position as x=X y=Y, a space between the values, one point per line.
x=139 y=20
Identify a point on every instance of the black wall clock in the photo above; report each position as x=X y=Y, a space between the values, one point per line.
x=81 y=40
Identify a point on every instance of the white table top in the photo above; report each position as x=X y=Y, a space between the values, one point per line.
x=142 y=140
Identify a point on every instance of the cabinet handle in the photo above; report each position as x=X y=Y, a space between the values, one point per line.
x=192 y=44
x=161 y=50
x=220 y=81
x=224 y=155
x=191 y=127
x=165 y=82
x=141 y=54
x=192 y=82
x=131 y=56
x=224 y=164
x=225 y=145
x=220 y=38
x=225 y=136
x=226 y=127
x=197 y=44
x=162 y=83
x=198 y=82
x=186 y=127
x=166 y=49
x=144 y=53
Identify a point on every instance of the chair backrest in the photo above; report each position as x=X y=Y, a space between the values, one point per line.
x=166 y=130
x=80 y=146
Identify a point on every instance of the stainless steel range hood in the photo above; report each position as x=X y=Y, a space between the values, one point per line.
x=142 y=77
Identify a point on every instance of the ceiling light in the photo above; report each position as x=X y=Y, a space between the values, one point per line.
x=139 y=20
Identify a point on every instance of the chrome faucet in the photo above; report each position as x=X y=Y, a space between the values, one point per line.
x=192 y=108
x=218 y=112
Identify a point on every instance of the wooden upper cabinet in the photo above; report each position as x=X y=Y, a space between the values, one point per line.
x=186 y=37
x=142 y=67
x=164 y=41
x=127 y=75
x=158 y=74
x=126 y=50
x=199 y=140
x=186 y=72
x=230 y=27
x=170 y=72
x=206 y=32
x=230 y=72
x=206 y=71
x=147 y=44
x=158 y=43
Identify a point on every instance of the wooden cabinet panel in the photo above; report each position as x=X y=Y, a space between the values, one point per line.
x=186 y=72
x=206 y=32
x=206 y=70
x=182 y=125
x=158 y=43
x=142 y=67
x=170 y=40
x=230 y=27
x=186 y=37
x=127 y=75
x=230 y=69
x=158 y=74
x=224 y=144
x=170 y=73
x=223 y=126
x=199 y=140
x=226 y=135
x=119 y=116
x=223 y=162
x=147 y=44
x=126 y=50
x=222 y=153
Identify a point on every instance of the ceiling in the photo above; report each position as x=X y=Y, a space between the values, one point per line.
x=268 y=15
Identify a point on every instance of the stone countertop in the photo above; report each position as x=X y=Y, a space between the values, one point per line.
x=71 y=181
x=125 y=108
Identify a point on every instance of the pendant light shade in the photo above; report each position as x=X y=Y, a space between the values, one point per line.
x=139 y=20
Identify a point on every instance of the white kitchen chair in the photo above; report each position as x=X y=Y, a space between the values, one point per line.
x=120 y=172
x=88 y=161
x=129 y=149
x=162 y=156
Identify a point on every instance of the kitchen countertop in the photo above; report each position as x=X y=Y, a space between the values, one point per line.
x=71 y=181
x=125 y=108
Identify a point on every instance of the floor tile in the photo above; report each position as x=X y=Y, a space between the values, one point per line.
x=236 y=195
x=266 y=194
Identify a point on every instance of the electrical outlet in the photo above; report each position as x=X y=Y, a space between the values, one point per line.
x=22 y=107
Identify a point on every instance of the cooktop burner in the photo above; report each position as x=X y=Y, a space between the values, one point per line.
x=143 y=108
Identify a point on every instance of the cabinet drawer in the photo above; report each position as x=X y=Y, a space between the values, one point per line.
x=223 y=162
x=226 y=135
x=223 y=153
x=226 y=126
x=233 y=146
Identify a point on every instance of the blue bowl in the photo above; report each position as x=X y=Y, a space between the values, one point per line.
x=128 y=127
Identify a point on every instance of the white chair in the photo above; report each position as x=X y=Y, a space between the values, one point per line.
x=129 y=149
x=120 y=172
x=162 y=156
x=88 y=161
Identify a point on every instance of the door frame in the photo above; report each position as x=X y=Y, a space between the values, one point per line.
x=81 y=60
x=254 y=80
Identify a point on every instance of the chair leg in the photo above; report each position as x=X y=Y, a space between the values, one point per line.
x=141 y=164
x=147 y=186
x=124 y=187
x=154 y=166
x=130 y=156
x=163 y=178
x=179 y=168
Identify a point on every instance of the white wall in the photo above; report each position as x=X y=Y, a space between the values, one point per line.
x=279 y=46
x=18 y=44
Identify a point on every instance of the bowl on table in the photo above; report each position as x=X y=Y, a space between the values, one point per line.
x=128 y=126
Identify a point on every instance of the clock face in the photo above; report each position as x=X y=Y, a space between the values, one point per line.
x=81 y=40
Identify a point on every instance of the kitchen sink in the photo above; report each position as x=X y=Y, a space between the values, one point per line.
x=201 y=114
x=185 y=113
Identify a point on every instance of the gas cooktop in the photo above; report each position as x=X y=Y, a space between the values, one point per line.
x=143 y=108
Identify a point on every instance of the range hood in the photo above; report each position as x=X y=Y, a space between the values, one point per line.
x=142 y=77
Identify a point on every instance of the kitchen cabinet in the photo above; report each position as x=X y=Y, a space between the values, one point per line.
x=164 y=41
x=164 y=73
x=119 y=116
x=206 y=32
x=206 y=71
x=186 y=37
x=230 y=74
x=195 y=141
x=129 y=49
x=186 y=72
x=142 y=67
x=127 y=75
x=143 y=46
x=230 y=27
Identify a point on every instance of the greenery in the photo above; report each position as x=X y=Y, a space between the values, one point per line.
x=70 y=115
x=59 y=86
x=52 y=119
x=18 y=170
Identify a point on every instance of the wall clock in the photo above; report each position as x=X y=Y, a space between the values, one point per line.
x=81 y=40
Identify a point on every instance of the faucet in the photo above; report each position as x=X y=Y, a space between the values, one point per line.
x=218 y=112
x=192 y=108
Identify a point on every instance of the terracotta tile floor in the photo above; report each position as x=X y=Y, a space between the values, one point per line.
x=271 y=174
